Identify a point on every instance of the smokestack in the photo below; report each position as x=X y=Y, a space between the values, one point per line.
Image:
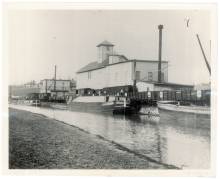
x=160 y=27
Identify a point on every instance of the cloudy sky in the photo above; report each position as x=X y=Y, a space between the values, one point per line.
x=40 y=39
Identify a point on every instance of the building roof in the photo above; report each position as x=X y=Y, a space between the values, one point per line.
x=174 y=84
x=95 y=65
x=153 y=61
x=91 y=66
x=56 y=80
x=105 y=43
x=168 y=84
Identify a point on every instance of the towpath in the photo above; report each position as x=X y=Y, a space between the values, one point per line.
x=37 y=142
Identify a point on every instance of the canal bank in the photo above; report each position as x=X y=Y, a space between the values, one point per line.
x=189 y=133
x=35 y=141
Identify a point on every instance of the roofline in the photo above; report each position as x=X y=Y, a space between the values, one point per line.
x=56 y=80
x=154 y=61
x=110 y=45
x=167 y=83
x=132 y=60
x=119 y=56
x=91 y=69
x=58 y=90
x=174 y=84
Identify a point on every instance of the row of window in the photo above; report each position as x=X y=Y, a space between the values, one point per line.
x=137 y=76
x=150 y=76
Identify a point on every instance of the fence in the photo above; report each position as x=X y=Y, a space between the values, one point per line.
x=199 y=97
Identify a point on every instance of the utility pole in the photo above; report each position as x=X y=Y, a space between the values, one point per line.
x=160 y=27
x=134 y=84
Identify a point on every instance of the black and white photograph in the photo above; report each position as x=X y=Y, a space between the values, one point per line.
x=111 y=88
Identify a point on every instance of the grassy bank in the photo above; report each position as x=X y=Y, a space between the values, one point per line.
x=38 y=142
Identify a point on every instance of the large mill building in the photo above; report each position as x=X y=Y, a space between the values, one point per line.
x=113 y=72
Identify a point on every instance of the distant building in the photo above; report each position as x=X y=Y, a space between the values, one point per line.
x=22 y=91
x=114 y=72
x=46 y=89
x=31 y=84
x=59 y=88
x=203 y=86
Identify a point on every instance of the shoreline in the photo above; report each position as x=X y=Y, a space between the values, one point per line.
x=37 y=142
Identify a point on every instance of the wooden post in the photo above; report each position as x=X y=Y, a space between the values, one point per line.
x=190 y=96
x=181 y=97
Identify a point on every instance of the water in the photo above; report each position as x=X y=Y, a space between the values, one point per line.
x=180 y=139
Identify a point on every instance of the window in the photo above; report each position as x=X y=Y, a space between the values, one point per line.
x=108 y=48
x=150 y=76
x=89 y=75
x=138 y=75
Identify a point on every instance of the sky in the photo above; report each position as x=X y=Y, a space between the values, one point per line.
x=39 y=39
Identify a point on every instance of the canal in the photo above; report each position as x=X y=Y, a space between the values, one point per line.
x=175 y=138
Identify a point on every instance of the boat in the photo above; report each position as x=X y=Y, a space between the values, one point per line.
x=33 y=102
x=122 y=106
x=176 y=106
x=115 y=105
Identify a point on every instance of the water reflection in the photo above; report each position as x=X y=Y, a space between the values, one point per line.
x=180 y=139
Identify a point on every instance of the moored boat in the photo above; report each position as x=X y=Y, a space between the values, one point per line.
x=175 y=106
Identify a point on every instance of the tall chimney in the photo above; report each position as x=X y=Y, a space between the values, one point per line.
x=160 y=27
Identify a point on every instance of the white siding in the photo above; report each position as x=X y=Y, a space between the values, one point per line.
x=143 y=86
x=145 y=67
x=163 y=88
x=104 y=52
x=96 y=80
x=110 y=76
x=119 y=74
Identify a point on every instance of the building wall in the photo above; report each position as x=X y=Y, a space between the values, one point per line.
x=143 y=86
x=145 y=67
x=104 y=52
x=60 y=85
x=94 y=79
x=119 y=75
x=163 y=88
x=116 y=59
x=110 y=76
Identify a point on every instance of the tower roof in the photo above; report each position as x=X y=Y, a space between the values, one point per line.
x=105 y=43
